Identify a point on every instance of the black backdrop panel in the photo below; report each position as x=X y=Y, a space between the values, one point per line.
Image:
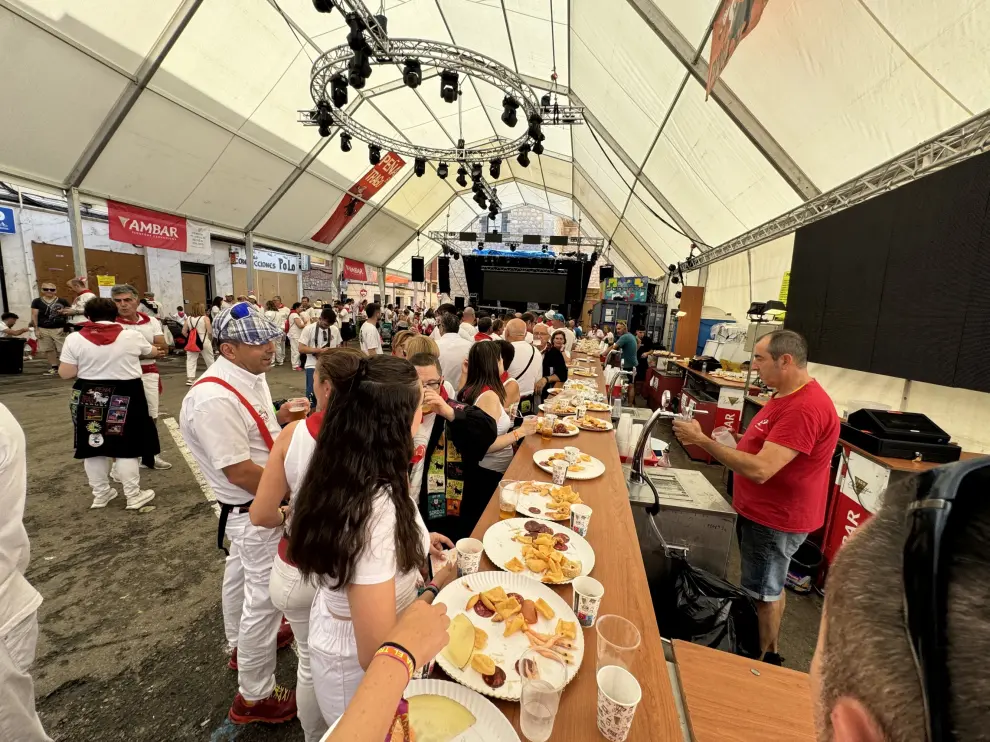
x=974 y=350
x=543 y=288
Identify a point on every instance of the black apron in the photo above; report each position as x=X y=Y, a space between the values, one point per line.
x=110 y=418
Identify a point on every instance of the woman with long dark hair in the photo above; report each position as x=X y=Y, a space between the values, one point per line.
x=511 y=403
x=554 y=364
x=356 y=531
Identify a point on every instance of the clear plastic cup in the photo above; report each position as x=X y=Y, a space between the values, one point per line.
x=618 y=642
x=508 y=498
x=543 y=679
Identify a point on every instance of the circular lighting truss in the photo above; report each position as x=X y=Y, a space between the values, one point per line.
x=334 y=63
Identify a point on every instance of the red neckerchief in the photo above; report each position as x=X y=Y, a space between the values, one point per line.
x=313 y=424
x=142 y=319
x=100 y=334
x=481 y=336
x=504 y=377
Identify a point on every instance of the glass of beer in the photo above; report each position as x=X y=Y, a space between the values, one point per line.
x=508 y=498
x=546 y=432
x=298 y=408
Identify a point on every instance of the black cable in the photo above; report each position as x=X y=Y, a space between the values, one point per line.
x=291 y=28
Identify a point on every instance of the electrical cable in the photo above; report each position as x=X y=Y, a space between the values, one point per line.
x=292 y=28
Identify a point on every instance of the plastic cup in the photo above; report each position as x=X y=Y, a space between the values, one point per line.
x=723 y=435
x=543 y=679
x=560 y=472
x=546 y=432
x=298 y=408
x=572 y=454
x=508 y=498
x=580 y=518
x=587 y=598
x=618 y=642
x=468 y=556
x=582 y=410
x=618 y=696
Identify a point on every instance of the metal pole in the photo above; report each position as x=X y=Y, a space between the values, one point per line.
x=381 y=284
x=752 y=352
x=32 y=269
x=249 y=260
x=335 y=268
x=75 y=231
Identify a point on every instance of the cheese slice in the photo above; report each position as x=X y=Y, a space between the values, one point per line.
x=461 y=632
x=438 y=719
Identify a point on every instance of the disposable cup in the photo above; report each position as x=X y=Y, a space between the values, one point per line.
x=580 y=518
x=572 y=454
x=560 y=471
x=619 y=694
x=618 y=642
x=723 y=435
x=468 y=556
x=587 y=599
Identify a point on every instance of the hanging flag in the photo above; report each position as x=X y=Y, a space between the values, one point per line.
x=355 y=270
x=733 y=22
x=146 y=228
x=371 y=182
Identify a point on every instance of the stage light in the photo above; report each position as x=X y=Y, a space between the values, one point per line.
x=442 y=170
x=523 y=158
x=535 y=130
x=412 y=73
x=545 y=100
x=537 y=148
x=672 y=268
x=448 y=86
x=324 y=117
x=374 y=154
x=355 y=39
x=457 y=256
x=382 y=22
x=462 y=177
x=476 y=187
x=476 y=171
x=482 y=201
x=512 y=248
x=345 y=142
x=677 y=295
x=509 y=106
x=492 y=214
x=544 y=249
x=323 y=6
x=338 y=90
x=419 y=167
x=495 y=168
x=675 y=279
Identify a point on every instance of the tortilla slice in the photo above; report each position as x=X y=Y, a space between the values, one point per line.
x=438 y=719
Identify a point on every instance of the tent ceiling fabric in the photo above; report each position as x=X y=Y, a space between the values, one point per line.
x=839 y=87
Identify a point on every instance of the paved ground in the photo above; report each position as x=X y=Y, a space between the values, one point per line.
x=132 y=644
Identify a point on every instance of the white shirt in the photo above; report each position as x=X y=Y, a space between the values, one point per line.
x=119 y=360
x=283 y=315
x=221 y=432
x=453 y=350
x=527 y=380
x=569 y=335
x=18 y=599
x=316 y=337
x=215 y=311
x=79 y=305
x=295 y=331
x=610 y=338
x=389 y=315
x=344 y=316
x=370 y=339
x=599 y=334
x=529 y=338
x=149 y=330
x=467 y=331
x=435 y=335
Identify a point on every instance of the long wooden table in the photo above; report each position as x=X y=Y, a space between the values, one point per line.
x=619 y=567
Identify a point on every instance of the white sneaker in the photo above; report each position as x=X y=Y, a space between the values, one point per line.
x=160 y=464
x=140 y=500
x=189 y=382
x=101 y=501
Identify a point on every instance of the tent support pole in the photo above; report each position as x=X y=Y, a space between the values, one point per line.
x=381 y=284
x=75 y=231
x=249 y=260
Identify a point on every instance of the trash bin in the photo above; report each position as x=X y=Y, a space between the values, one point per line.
x=804 y=567
x=12 y=355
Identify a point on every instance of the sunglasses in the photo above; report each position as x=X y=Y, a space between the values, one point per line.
x=49 y=291
x=945 y=498
x=240 y=311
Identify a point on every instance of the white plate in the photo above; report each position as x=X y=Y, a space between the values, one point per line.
x=538 y=501
x=505 y=651
x=491 y=724
x=501 y=548
x=549 y=409
x=575 y=430
x=584 y=373
x=592 y=469
x=592 y=430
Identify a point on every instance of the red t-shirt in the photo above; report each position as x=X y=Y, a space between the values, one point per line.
x=793 y=499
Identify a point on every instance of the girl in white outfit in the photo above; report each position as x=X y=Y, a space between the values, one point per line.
x=204 y=333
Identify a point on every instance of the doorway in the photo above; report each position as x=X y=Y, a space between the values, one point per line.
x=196 y=286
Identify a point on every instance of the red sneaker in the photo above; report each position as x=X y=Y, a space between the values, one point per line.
x=232 y=662
x=285 y=635
x=279 y=707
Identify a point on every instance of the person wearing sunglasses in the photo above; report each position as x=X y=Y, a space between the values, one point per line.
x=48 y=322
x=230 y=424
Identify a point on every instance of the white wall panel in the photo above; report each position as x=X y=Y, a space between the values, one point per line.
x=302 y=211
x=634 y=249
x=669 y=246
x=690 y=18
x=378 y=240
x=529 y=24
x=613 y=180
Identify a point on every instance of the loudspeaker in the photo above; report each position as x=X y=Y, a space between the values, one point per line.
x=417 y=269
x=443 y=275
x=605 y=272
x=459 y=302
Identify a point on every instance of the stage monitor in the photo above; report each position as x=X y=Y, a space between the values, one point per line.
x=542 y=288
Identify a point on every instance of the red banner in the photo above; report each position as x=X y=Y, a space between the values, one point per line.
x=355 y=270
x=371 y=182
x=733 y=22
x=146 y=228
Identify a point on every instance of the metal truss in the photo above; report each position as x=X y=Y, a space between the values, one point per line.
x=955 y=145
x=444 y=238
x=377 y=36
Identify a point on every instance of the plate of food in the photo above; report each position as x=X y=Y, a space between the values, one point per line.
x=547 y=552
x=598 y=407
x=580 y=386
x=441 y=711
x=495 y=617
x=546 y=500
x=588 y=422
x=586 y=372
x=558 y=407
x=586 y=467
x=565 y=429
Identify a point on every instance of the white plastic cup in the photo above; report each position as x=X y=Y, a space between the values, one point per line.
x=468 y=556
x=582 y=410
x=587 y=599
x=580 y=519
x=572 y=454
x=723 y=435
x=560 y=471
x=619 y=694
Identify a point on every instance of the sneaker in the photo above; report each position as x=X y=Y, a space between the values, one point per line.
x=189 y=382
x=772 y=658
x=297 y=368
x=279 y=707
x=285 y=635
x=51 y=372
x=101 y=501
x=160 y=464
x=232 y=662
x=140 y=500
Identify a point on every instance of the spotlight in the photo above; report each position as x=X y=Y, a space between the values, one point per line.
x=457 y=256
x=535 y=130
x=509 y=106
x=442 y=170
x=324 y=117
x=382 y=22
x=476 y=187
x=672 y=268
x=512 y=248
x=675 y=279
x=345 y=142
x=338 y=90
x=462 y=177
x=448 y=86
x=545 y=100
x=495 y=168
x=412 y=73
x=323 y=6
x=523 y=158
x=537 y=148
x=374 y=154
x=677 y=295
x=544 y=249
x=355 y=39
x=476 y=171
x=355 y=79
x=419 y=167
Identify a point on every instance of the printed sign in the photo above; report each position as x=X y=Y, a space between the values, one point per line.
x=729 y=410
x=7 y=221
x=146 y=228
x=105 y=284
x=733 y=21
x=198 y=239
x=370 y=183
x=629 y=288
x=266 y=260
x=355 y=270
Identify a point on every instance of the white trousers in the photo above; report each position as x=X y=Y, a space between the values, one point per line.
x=294 y=351
x=280 y=350
x=337 y=673
x=127 y=471
x=249 y=618
x=192 y=357
x=18 y=717
x=150 y=382
x=293 y=595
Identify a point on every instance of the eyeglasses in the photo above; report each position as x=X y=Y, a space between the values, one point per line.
x=434 y=385
x=927 y=556
x=52 y=291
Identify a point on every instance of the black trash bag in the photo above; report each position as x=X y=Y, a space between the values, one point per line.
x=707 y=610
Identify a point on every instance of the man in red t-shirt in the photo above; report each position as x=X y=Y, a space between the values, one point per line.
x=783 y=463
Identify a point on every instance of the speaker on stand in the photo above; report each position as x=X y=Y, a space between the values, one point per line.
x=443 y=275
x=418 y=269
x=606 y=272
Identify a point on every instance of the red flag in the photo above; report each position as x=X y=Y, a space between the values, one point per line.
x=733 y=22
x=355 y=270
x=139 y=226
x=371 y=182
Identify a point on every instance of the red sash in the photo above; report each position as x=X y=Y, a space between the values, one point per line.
x=266 y=434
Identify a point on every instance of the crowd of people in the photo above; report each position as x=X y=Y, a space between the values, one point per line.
x=336 y=510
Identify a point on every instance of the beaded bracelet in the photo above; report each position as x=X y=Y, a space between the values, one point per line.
x=397 y=652
x=431 y=588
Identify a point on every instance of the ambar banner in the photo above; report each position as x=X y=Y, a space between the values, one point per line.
x=355 y=270
x=733 y=22
x=370 y=183
x=147 y=228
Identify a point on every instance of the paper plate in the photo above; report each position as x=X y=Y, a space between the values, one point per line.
x=608 y=423
x=504 y=650
x=584 y=372
x=536 y=505
x=591 y=469
x=501 y=548
x=491 y=724
x=564 y=410
x=573 y=432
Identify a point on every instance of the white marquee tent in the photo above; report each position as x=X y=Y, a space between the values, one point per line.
x=189 y=106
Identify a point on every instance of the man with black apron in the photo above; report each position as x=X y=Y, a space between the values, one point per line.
x=229 y=423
